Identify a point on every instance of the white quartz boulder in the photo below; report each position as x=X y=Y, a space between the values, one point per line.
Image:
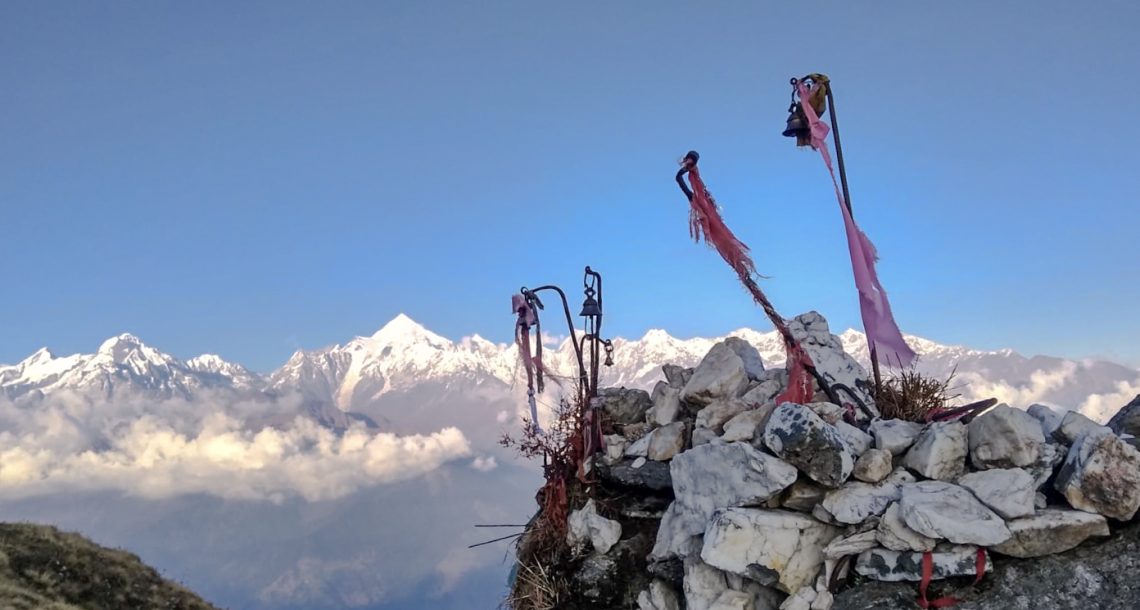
x=585 y=525
x=1004 y=437
x=948 y=512
x=1010 y=492
x=713 y=476
x=873 y=466
x=1074 y=425
x=893 y=533
x=1101 y=474
x=721 y=374
x=1051 y=531
x=773 y=547
x=894 y=435
x=940 y=451
x=667 y=441
x=800 y=437
x=659 y=596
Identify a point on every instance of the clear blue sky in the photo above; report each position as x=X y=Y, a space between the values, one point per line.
x=247 y=178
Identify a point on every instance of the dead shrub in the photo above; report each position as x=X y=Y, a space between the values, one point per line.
x=911 y=396
x=538 y=586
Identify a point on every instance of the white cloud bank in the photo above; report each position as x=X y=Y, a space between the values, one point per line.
x=1101 y=407
x=158 y=450
x=1042 y=383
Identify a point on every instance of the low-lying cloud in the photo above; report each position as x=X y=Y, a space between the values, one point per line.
x=1041 y=384
x=1101 y=407
x=1044 y=384
x=162 y=449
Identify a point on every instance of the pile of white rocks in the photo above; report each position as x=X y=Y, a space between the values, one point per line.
x=770 y=501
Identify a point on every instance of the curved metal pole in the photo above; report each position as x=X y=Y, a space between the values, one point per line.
x=570 y=325
x=590 y=392
x=681 y=182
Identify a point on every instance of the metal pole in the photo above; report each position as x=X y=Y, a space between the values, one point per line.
x=838 y=150
x=582 y=378
x=847 y=201
x=595 y=346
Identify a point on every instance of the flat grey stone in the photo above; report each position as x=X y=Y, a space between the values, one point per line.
x=1009 y=492
x=944 y=511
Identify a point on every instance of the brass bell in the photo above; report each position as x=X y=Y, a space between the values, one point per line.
x=797 y=126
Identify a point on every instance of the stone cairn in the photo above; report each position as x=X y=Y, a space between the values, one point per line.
x=723 y=500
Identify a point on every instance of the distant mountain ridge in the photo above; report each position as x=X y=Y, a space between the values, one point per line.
x=404 y=355
x=123 y=363
x=210 y=470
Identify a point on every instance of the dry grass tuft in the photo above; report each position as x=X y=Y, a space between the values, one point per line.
x=536 y=588
x=911 y=396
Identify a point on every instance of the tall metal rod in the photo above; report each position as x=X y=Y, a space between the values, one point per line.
x=847 y=201
x=838 y=149
x=595 y=345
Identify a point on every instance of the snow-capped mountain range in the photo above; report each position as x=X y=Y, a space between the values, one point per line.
x=123 y=362
x=404 y=355
x=184 y=437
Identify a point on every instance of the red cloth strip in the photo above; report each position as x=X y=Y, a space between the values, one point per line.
x=705 y=221
x=928 y=575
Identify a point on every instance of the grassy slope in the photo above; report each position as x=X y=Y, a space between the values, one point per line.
x=46 y=569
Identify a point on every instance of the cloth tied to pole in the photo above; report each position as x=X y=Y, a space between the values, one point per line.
x=883 y=334
x=706 y=222
x=527 y=317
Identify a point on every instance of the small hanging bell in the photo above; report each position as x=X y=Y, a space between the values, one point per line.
x=590 y=306
x=797 y=126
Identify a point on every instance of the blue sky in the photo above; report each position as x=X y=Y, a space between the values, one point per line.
x=249 y=178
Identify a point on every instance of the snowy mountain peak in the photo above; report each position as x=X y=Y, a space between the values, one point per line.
x=120 y=343
x=297 y=359
x=476 y=343
x=657 y=335
x=212 y=367
x=403 y=330
x=41 y=356
x=213 y=363
x=129 y=351
x=207 y=361
x=850 y=335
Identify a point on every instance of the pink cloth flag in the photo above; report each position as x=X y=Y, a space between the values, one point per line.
x=883 y=334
